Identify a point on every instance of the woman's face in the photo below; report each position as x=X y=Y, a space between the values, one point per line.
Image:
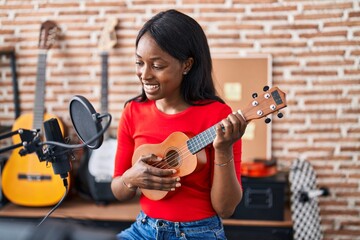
x=160 y=73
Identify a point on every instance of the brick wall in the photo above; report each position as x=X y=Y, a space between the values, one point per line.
x=315 y=46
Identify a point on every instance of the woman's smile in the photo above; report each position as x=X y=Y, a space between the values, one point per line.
x=151 y=88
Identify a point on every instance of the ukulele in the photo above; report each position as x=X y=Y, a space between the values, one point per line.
x=179 y=152
x=27 y=181
x=97 y=168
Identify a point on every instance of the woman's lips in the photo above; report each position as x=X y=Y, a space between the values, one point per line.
x=151 y=88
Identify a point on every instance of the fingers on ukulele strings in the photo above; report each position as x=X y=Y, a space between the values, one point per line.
x=225 y=126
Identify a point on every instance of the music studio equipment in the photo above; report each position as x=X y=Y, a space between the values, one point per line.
x=87 y=124
x=96 y=168
x=34 y=184
x=264 y=198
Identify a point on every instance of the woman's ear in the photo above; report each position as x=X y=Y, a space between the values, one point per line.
x=187 y=65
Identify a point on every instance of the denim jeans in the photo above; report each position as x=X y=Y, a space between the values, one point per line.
x=149 y=228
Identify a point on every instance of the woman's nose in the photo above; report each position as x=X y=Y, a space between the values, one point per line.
x=145 y=73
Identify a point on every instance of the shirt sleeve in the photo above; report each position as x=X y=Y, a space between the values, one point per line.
x=125 y=145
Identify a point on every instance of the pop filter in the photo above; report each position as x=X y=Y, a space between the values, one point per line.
x=86 y=121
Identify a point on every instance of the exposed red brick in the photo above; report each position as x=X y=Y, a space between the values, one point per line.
x=324 y=6
x=318 y=15
x=342 y=24
x=330 y=63
x=354 y=14
x=336 y=43
x=264 y=18
x=268 y=36
x=274 y=9
x=295 y=27
x=324 y=34
x=314 y=73
x=240 y=27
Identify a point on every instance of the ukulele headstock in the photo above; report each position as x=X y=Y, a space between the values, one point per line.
x=49 y=34
x=272 y=100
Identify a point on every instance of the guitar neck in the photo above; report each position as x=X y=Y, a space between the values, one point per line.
x=40 y=91
x=104 y=87
x=104 y=81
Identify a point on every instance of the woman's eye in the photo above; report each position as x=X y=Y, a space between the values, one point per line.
x=138 y=63
x=158 y=67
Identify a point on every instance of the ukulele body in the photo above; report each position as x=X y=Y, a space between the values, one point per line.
x=175 y=155
x=26 y=180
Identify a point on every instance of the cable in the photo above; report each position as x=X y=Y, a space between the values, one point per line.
x=65 y=182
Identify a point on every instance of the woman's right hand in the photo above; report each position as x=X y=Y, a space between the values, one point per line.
x=144 y=175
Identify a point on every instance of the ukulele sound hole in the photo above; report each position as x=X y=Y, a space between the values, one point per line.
x=173 y=158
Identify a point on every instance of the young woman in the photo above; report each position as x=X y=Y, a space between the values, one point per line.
x=173 y=64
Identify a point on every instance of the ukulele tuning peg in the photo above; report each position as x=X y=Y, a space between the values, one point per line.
x=254 y=95
x=266 y=88
x=280 y=114
x=267 y=120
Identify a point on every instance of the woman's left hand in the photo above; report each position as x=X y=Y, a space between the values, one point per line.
x=228 y=131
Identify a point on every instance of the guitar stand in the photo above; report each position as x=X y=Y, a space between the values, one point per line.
x=10 y=51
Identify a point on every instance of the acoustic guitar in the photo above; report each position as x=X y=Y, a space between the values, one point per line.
x=27 y=181
x=97 y=168
x=179 y=152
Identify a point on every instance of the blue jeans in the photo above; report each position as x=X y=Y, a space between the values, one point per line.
x=149 y=228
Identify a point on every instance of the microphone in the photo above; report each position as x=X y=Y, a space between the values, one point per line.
x=58 y=155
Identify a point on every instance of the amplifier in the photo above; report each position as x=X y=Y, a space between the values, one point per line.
x=263 y=198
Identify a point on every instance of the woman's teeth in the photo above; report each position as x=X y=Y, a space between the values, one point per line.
x=151 y=87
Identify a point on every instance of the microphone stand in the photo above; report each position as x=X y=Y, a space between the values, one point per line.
x=27 y=136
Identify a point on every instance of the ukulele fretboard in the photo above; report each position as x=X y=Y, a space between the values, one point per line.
x=201 y=140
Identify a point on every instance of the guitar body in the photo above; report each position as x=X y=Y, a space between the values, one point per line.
x=179 y=158
x=95 y=172
x=26 y=180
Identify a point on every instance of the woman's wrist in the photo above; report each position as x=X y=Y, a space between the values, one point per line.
x=223 y=164
x=129 y=186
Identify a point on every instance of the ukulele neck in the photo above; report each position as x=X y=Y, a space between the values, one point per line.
x=201 y=140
